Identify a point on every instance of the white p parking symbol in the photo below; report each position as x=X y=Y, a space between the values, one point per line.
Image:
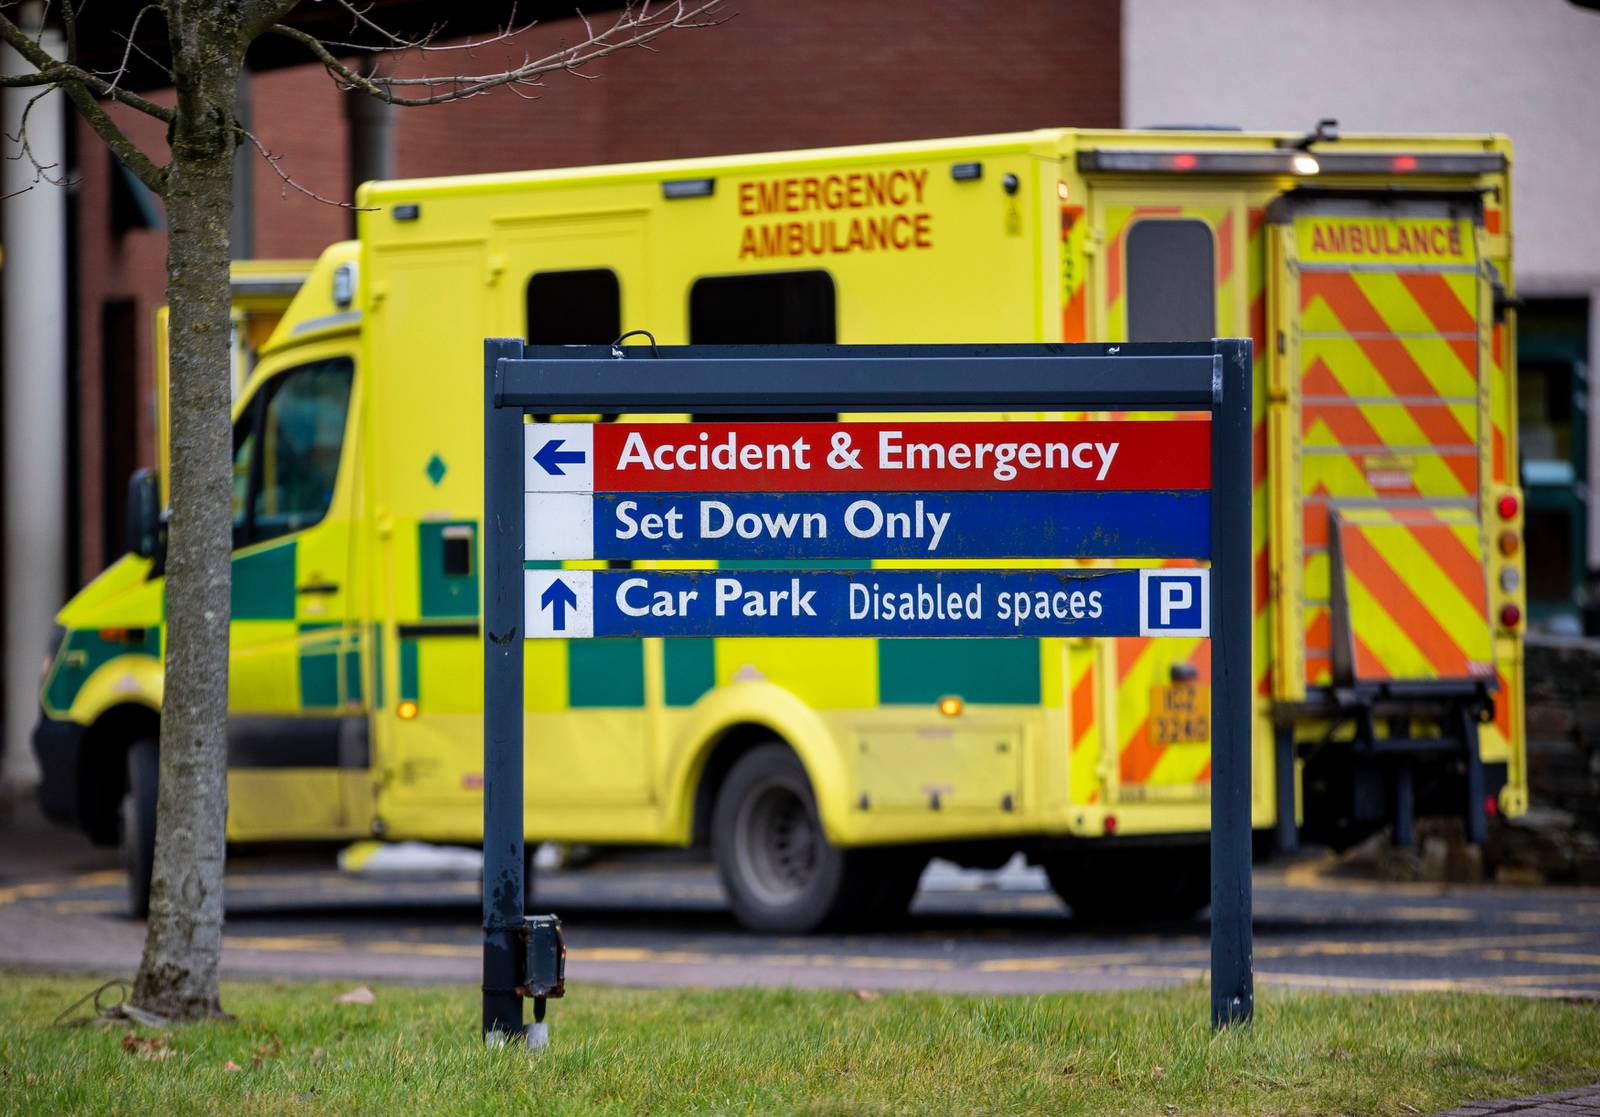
x=1168 y=598
x=1174 y=596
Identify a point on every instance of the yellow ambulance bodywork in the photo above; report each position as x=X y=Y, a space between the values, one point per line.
x=357 y=636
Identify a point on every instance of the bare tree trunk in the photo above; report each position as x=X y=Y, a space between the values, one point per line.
x=183 y=943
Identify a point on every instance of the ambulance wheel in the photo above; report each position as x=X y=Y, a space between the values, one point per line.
x=1131 y=885
x=779 y=869
x=139 y=824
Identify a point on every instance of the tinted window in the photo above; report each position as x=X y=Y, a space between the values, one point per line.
x=574 y=307
x=1171 y=281
x=782 y=308
x=291 y=450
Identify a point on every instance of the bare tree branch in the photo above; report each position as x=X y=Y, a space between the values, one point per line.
x=80 y=88
x=636 y=26
x=41 y=171
x=275 y=162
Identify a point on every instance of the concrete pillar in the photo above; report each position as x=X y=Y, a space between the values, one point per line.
x=35 y=292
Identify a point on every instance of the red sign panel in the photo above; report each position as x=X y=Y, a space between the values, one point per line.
x=884 y=457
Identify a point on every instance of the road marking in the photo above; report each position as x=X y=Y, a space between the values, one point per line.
x=1547 y=957
x=57 y=887
x=1425 y=947
x=1081 y=961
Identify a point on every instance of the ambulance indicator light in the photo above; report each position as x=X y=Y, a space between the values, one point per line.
x=951 y=705
x=1404 y=163
x=1507 y=507
x=1510 y=616
x=1062 y=192
x=1305 y=163
x=1185 y=161
x=688 y=188
x=406 y=710
x=966 y=172
x=1509 y=543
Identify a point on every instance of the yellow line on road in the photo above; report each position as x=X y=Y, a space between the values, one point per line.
x=57 y=887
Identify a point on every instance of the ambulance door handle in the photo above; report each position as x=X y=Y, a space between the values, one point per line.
x=319 y=587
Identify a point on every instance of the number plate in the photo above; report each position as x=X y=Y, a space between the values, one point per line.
x=1180 y=714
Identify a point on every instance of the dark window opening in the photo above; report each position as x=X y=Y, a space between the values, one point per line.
x=457 y=554
x=119 y=418
x=574 y=307
x=1171 y=276
x=780 y=308
x=287 y=446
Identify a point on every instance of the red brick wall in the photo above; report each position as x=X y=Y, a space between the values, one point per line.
x=779 y=74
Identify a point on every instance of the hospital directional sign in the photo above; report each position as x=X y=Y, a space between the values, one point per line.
x=783 y=528
x=840 y=491
x=872 y=603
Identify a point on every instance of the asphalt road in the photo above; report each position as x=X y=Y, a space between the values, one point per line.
x=656 y=921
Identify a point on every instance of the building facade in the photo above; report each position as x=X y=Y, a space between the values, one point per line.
x=774 y=76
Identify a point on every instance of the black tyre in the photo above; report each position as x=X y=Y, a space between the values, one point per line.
x=139 y=824
x=1132 y=885
x=779 y=869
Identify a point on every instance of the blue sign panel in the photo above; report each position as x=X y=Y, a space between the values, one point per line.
x=798 y=526
x=875 y=603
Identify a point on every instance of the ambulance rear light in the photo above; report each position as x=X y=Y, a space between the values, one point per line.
x=1109 y=825
x=1510 y=580
x=1287 y=161
x=1510 y=616
x=1507 y=507
x=1510 y=543
x=673 y=189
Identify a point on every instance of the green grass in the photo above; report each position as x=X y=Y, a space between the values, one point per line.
x=628 y=1051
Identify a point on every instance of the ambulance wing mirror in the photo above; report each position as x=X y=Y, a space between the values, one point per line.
x=144 y=513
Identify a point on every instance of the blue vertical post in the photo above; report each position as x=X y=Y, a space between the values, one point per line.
x=502 y=547
x=1232 y=624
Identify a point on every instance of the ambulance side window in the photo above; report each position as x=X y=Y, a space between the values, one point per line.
x=286 y=451
x=582 y=307
x=1172 y=284
x=773 y=308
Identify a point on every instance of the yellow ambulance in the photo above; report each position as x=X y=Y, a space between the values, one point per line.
x=1371 y=272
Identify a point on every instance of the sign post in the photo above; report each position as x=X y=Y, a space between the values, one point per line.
x=804 y=487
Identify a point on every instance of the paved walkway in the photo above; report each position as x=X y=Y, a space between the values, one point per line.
x=1565 y=1103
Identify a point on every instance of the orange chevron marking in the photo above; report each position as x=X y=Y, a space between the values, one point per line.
x=1453 y=557
x=1083 y=705
x=1225 y=248
x=1368 y=565
x=1388 y=355
x=1438 y=301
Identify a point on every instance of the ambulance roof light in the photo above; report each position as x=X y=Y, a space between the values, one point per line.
x=966 y=172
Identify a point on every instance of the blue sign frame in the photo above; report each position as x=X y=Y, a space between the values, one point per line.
x=822 y=381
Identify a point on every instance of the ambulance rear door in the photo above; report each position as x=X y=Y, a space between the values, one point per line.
x=1379 y=419
x=1168 y=263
